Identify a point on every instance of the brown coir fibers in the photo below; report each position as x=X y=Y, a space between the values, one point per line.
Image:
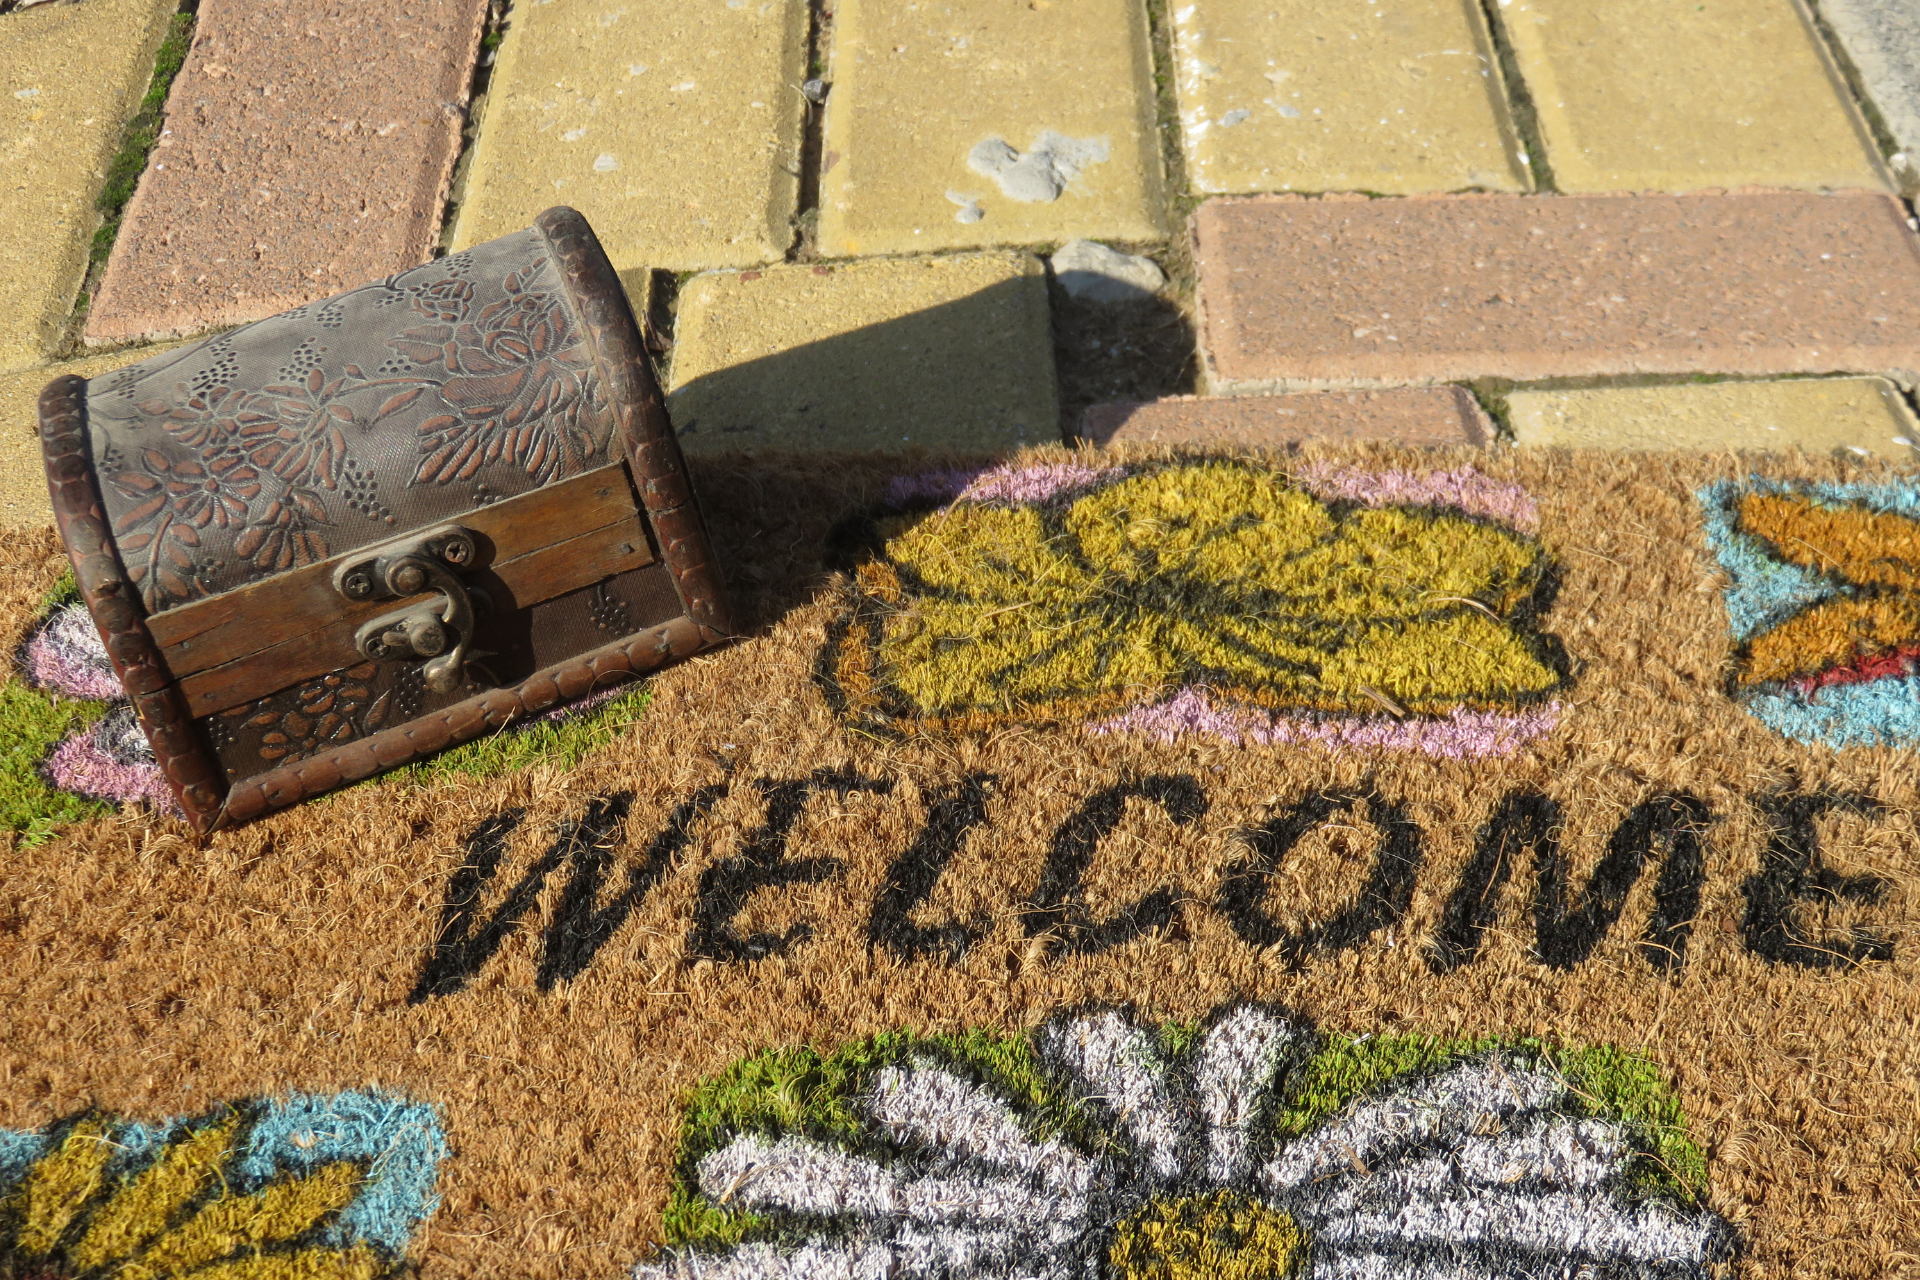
x=151 y=977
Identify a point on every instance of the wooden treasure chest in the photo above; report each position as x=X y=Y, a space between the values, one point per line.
x=336 y=540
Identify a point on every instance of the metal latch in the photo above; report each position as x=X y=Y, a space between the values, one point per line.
x=437 y=630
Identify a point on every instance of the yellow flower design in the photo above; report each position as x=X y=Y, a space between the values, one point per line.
x=176 y=1214
x=1223 y=1235
x=1870 y=626
x=1218 y=573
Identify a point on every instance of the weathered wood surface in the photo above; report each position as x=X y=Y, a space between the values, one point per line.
x=245 y=644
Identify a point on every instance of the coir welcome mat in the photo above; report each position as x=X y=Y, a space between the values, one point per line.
x=1130 y=865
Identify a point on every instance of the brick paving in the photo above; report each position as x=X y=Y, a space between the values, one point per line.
x=1500 y=201
x=307 y=151
x=675 y=127
x=1654 y=95
x=983 y=122
x=884 y=356
x=70 y=76
x=1880 y=40
x=1437 y=417
x=1342 y=95
x=1866 y=417
x=1299 y=292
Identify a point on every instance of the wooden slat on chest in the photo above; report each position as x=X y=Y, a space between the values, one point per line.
x=244 y=644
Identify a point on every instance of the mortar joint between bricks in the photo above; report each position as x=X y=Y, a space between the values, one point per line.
x=1856 y=87
x=492 y=33
x=1519 y=98
x=1166 y=103
x=128 y=165
x=1491 y=395
x=806 y=218
x=657 y=326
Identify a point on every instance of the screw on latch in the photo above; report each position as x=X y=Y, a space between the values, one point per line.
x=423 y=635
x=357 y=585
x=457 y=551
x=408 y=579
x=420 y=632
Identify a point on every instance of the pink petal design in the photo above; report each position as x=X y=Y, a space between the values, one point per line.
x=999 y=484
x=929 y=486
x=66 y=656
x=1460 y=735
x=1463 y=489
x=579 y=706
x=1036 y=484
x=80 y=765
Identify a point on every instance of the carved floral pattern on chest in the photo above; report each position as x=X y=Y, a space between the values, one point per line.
x=413 y=399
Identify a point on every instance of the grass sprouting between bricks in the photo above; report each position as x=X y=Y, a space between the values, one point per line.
x=143 y=134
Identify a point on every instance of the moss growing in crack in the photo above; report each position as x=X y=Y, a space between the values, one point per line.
x=1520 y=107
x=1491 y=394
x=143 y=132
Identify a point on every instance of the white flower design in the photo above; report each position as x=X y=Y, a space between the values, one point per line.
x=1475 y=1173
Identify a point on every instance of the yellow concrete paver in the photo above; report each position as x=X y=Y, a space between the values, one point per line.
x=673 y=125
x=882 y=356
x=1859 y=417
x=1342 y=95
x=70 y=77
x=962 y=123
x=1659 y=95
x=23 y=477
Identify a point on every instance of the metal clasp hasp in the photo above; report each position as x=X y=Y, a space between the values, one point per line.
x=439 y=631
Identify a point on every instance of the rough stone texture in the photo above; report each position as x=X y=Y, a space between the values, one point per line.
x=1095 y=273
x=673 y=125
x=955 y=125
x=1657 y=95
x=306 y=151
x=1297 y=293
x=1860 y=416
x=933 y=353
x=70 y=76
x=23 y=478
x=1342 y=95
x=1882 y=40
x=1420 y=417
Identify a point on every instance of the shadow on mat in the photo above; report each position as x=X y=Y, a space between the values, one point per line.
x=954 y=379
x=771 y=518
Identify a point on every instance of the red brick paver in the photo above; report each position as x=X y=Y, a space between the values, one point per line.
x=308 y=151
x=1422 y=417
x=1301 y=292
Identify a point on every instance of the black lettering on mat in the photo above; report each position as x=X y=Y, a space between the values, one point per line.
x=1384 y=898
x=952 y=812
x=464 y=943
x=1524 y=820
x=1057 y=911
x=579 y=929
x=761 y=864
x=1565 y=936
x=1792 y=874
